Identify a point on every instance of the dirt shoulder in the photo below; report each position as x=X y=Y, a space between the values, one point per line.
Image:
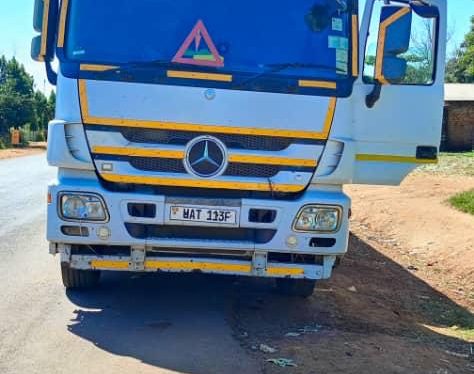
x=402 y=301
x=22 y=152
x=415 y=226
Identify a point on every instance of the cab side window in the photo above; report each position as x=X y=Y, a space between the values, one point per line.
x=420 y=56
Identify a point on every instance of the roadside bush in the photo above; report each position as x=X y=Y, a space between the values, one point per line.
x=40 y=137
x=24 y=138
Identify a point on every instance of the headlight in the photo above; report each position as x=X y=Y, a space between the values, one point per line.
x=314 y=218
x=83 y=207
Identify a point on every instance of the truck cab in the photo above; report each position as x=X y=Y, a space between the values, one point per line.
x=217 y=137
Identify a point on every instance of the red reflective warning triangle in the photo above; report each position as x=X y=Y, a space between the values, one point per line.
x=207 y=56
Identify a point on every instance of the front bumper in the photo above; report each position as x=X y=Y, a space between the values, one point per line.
x=158 y=252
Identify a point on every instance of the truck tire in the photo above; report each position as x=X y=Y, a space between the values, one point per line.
x=296 y=287
x=79 y=279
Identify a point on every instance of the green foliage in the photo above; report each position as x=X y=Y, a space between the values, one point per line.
x=40 y=137
x=19 y=102
x=16 y=95
x=42 y=111
x=24 y=135
x=460 y=69
x=464 y=202
x=421 y=73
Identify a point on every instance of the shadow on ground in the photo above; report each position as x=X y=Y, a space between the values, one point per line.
x=371 y=317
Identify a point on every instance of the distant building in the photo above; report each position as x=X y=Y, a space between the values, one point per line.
x=458 y=121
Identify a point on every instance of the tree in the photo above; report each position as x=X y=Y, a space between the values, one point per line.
x=460 y=69
x=19 y=104
x=15 y=111
x=41 y=112
x=44 y=111
x=16 y=96
x=51 y=104
x=16 y=79
x=3 y=70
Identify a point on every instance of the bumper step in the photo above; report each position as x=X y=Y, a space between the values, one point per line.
x=189 y=265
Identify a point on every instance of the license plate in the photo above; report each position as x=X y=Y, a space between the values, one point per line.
x=204 y=215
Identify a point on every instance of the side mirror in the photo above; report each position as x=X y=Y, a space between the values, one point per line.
x=36 y=44
x=38 y=16
x=393 y=40
x=44 y=21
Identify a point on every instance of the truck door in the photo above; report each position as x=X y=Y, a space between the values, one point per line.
x=399 y=98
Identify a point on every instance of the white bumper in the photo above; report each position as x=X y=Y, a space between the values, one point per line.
x=196 y=253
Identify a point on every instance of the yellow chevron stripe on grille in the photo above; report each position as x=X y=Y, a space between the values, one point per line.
x=137 y=152
x=236 y=158
x=201 y=183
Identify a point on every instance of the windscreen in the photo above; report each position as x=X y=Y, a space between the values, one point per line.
x=304 y=38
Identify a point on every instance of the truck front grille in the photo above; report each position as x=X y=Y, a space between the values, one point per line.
x=282 y=143
x=263 y=143
x=150 y=232
x=234 y=170
x=142 y=156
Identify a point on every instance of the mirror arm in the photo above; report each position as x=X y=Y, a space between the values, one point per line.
x=51 y=74
x=374 y=96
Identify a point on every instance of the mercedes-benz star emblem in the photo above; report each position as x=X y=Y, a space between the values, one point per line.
x=206 y=157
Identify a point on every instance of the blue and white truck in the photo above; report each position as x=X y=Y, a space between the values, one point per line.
x=216 y=137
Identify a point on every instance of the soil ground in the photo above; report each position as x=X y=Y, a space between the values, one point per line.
x=21 y=152
x=402 y=300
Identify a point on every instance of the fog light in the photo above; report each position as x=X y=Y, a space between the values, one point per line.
x=82 y=207
x=103 y=233
x=292 y=241
x=318 y=218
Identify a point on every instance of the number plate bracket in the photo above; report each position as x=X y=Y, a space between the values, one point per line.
x=137 y=262
x=260 y=263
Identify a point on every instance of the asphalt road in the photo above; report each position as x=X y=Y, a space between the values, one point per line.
x=131 y=324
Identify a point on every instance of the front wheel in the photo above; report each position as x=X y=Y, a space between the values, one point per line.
x=79 y=279
x=296 y=287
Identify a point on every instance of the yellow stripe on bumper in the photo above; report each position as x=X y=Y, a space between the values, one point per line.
x=282 y=272
x=111 y=265
x=195 y=266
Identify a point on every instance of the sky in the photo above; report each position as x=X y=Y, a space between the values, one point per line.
x=16 y=31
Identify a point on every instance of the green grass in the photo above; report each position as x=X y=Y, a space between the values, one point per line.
x=464 y=202
x=450 y=317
